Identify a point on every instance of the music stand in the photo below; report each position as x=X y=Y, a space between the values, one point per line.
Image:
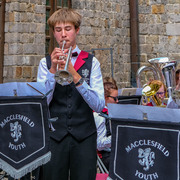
x=24 y=128
x=135 y=99
x=145 y=142
x=128 y=91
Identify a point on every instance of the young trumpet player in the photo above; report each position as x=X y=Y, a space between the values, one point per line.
x=73 y=138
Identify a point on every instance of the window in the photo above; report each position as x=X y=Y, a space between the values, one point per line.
x=51 y=7
x=2 y=17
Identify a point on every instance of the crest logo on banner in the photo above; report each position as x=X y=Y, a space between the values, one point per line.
x=24 y=134
x=146 y=158
x=142 y=152
x=16 y=130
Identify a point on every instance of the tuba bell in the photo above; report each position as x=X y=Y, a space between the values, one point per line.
x=163 y=69
x=155 y=67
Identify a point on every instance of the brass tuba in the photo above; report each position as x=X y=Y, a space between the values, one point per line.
x=155 y=67
x=163 y=69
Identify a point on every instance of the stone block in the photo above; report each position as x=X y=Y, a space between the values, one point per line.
x=174 y=18
x=14 y=6
x=152 y=39
x=15 y=48
x=18 y=72
x=27 y=72
x=22 y=7
x=156 y=29
x=13 y=27
x=40 y=9
x=25 y=27
x=12 y=37
x=143 y=28
x=39 y=18
x=173 y=29
x=157 y=9
x=29 y=48
x=30 y=7
x=178 y=40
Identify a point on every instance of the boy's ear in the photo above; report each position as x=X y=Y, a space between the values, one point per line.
x=77 y=30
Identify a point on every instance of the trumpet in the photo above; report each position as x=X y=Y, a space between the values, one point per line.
x=62 y=57
x=64 y=77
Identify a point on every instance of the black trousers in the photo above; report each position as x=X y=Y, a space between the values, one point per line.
x=72 y=159
x=106 y=158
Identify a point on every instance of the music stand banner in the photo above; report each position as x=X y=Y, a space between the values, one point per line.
x=144 y=149
x=24 y=134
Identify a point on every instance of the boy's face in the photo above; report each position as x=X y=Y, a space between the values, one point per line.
x=67 y=32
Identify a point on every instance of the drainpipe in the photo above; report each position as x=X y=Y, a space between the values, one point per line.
x=2 y=16
x=134 y=40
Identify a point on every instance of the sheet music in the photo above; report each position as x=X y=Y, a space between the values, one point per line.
x=22 y=89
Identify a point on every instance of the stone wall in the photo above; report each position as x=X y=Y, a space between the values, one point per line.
x=159 y=29
x=24 y=39
x=106 y=24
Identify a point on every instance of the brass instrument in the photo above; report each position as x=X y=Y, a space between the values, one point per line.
x=150 y=91
x=169 y=73
x=64 y=77
x=163 y=69
x=155 y=67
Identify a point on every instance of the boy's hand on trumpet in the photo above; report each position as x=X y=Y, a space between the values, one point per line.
x=58 y=58
x=74 y=73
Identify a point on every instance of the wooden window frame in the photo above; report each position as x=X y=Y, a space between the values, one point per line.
x=2 y=21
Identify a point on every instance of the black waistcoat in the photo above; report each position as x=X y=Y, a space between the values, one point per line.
x=74 y=114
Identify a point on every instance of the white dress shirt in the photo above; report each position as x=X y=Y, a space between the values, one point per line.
x=93 y=94
x=103 y=142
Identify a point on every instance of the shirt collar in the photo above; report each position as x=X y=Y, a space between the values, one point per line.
x=76 y=49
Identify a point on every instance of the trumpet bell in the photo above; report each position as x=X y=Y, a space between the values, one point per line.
x=63 y=77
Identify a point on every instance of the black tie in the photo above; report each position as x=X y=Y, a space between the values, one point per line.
x=74 y=54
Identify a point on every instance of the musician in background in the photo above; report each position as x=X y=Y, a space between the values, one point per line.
x=73 y=135
x=172 y=102
x=178 y=79
x=109 y=79
x=102 y=123
x=161 y=93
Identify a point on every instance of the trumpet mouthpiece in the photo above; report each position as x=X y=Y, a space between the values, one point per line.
x=64 y=42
